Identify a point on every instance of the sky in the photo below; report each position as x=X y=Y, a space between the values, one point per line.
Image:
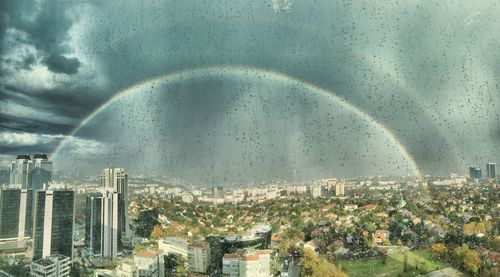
x=426 y=71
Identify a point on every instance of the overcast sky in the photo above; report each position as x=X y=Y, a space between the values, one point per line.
x=427 y=70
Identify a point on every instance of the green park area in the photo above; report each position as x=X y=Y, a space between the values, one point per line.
x=418 y=263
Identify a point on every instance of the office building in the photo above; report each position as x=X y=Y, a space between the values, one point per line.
x=475 y=173
x=102 y=223
x=41 y=172
x=93 y=223
x=340 y=189
x=16 y=220
x=199 y=257
x=491 y=170
x=117 y=179
x=53 y=226
x=31 y=174
x=19 y=171
x=51 y=266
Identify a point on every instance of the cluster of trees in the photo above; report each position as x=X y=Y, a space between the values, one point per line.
x=477 y=227
x=16 y=269
x=461 y=256
x=146 y=221
x=175 y=265
x=314 y=266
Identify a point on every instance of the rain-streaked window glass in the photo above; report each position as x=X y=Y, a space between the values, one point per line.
x=249 y=138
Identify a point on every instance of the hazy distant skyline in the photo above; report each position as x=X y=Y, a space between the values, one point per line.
x=426 y=71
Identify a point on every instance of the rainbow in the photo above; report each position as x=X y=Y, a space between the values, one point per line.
x=246 y=71
x=382 y=65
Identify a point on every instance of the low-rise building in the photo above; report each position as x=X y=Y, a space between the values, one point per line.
x=380 y=236
x=250 y=264
x=173 y=245
x=150 y=263
x=231 y=265
x=51 y=266
x=350 y=207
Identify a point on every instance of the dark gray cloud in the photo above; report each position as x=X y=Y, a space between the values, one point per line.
x=60 y=64
x=47 y=24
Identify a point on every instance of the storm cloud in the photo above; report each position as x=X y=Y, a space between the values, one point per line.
x=427 y=71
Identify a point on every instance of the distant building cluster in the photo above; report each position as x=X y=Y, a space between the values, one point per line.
x=315 y=189
x=475 y=173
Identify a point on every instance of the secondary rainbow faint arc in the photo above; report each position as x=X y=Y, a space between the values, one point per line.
x=371 y=60
x=174 y=76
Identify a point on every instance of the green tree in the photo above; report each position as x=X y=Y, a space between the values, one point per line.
x=472 y=261
x=439 y=250
x=325 y=268
x=309 y=263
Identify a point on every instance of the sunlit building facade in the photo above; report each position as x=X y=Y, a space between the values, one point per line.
x=101 y=226
x=117 y=180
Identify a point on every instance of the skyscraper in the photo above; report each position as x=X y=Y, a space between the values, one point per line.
x=53 y=226
x=41 y=172
x=19 y=171
x=475 y=173
x=117 y=179
x=491 y=170
x=102 y=234
x=15 y=214
x=32 y=174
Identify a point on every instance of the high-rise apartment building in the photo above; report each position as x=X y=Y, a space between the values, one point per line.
x=53 y=225
x=102 y=223
x=16 y=222
x=117 y=180
x=491 y=170
x=340 y=189
x=316 y=191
